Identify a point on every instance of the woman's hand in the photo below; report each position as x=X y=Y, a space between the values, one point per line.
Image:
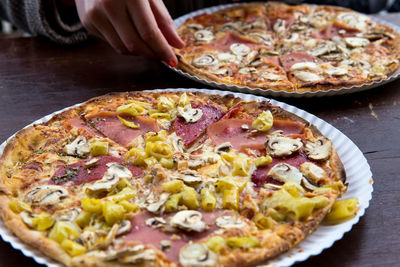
x=138 y=27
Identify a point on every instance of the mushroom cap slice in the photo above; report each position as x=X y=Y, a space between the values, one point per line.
x=190 y=114
x=284 y=172
x=46 y=195
x=204 y=35
x=188 y=220
x=319 y=150
x=156 y=206
x=229 y=221
x=110 y=178
x=79 y=147
x=190 y=177
x=307 y=76
x=145 y=256
x=239 y=49
x=279 y=145
x=197 y=255
x=204 y=61
x=124 y=227
x=67 y=214
x=315 y=174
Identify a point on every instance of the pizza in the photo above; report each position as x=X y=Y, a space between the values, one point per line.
x=169 y=179
x=299 y=48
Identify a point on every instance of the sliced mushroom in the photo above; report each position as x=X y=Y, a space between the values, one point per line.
x=89 y=238
x=292 y=38
x=190 y=177
x=272 y=77
x=261 y=37
x=284 y=172
x=124 y=227
x=223 y=148
x=156 y=222
x=222 y=71
x=195 y=26
x=110 y=178
x=67 y=214
x=226 y=57
x=307 y=184
x=336 y=71
x=323 y=48
x=27 y=218
x=46 y=195
x=353 y=20
x=204 y=36
x=197 y=255
x=279 y=26
x=177 y=142
x=313 y=173
x=319 y=150
x=356 y=41
x=195 y=163
x=190 y=114
x=112 y=255
x=304 y=66
x=79 y=147
x=247 y=70
x=107 y=240
x=204 y=61
x=239 y=49
x=188 y=220
x=229 y=221
x=257 y=24
x=145 y=256
x=279 y=145
x=231 y=26
x=155 y=206
x=250 y=57
x=165 y=244
x=307 y=76
x=91 y=162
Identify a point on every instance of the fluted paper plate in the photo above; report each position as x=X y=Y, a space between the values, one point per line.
x=269 y=92
x=358 y=172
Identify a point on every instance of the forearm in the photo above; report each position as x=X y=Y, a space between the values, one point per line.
x=54 y=19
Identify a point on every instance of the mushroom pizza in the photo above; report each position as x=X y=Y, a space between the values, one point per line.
x=170 y=179
x=299 y=48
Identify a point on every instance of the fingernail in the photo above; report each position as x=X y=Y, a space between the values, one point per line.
x=172 y=63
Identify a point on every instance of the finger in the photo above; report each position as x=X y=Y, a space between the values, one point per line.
x=105 y=28
x=119 y=17
x=166 y=24
x=146 y=25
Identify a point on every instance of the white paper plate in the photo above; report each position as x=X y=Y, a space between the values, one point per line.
x=358 y=171
x=269 y=92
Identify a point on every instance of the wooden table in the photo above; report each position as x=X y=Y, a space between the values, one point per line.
x=38 y=78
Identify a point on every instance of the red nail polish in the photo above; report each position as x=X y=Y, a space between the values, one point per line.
x=172 y=63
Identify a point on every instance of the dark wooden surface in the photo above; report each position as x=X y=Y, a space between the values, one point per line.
x=38 y=78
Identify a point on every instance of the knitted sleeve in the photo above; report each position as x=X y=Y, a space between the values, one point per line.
x=42 y=17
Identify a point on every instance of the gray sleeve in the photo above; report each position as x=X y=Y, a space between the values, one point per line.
x=42 y=17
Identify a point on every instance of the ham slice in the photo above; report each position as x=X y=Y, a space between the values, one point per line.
x=225 y=42
x=145 y=234
x=288 y=60
x=79 y=123
x=260 y=175
x=189 y=132
x=230 y=130
x=112 y=127
x=78 y=173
